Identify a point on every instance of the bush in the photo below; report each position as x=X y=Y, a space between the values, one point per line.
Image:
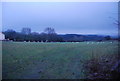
x=105 y=67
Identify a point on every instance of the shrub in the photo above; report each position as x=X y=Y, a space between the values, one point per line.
x=104 y=67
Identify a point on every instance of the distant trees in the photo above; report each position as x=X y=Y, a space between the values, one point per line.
x=26 y=31
x=107 y=38
x=10 y=34
x=49 y=30
x=48 y=35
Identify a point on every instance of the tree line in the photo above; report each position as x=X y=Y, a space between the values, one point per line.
x=48 y=35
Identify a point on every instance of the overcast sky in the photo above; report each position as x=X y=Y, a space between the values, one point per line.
x=65 y=17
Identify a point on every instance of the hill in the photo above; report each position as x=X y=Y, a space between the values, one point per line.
x=77 y=37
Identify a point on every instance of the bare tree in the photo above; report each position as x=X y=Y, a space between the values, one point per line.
x=26 y=31
x=116 y=22
x=49 y=30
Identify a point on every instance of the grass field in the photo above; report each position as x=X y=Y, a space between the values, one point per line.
x=51 y=60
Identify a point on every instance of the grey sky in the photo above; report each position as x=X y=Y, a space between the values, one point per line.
x=65 y=17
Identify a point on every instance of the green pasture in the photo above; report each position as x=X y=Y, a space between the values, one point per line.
x=35 y=60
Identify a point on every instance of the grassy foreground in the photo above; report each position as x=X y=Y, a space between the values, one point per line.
x=30 y=60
